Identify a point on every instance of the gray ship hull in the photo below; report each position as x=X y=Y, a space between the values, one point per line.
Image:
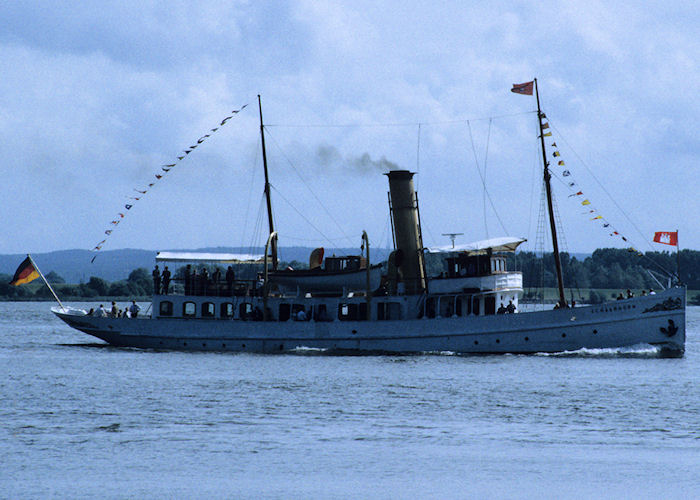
x=658 y=320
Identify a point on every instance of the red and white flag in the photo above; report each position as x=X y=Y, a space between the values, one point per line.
x=666 y=237
x=523 y=88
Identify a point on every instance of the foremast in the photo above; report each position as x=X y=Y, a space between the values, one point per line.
x=548 y=190
x=270 y=222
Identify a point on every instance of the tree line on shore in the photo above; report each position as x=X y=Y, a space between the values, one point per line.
x=610 y=268
x=138 y=284
x=606 y=268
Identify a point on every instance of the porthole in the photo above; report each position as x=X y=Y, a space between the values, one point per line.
x=476 y=342
x=527 y=338
x=223 y=346
x=498 y=341
x=563 y=335
x=595 y=331
x=166 y=308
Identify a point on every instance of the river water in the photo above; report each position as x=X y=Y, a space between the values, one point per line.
x=81 y=419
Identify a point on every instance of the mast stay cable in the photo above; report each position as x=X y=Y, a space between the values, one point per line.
x=483 y=182
x=306 y=184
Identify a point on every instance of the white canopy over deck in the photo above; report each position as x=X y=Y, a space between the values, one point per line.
x=502 y=244
x=210 y=258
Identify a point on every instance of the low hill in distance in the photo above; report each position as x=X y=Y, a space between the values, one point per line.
x=74 y=266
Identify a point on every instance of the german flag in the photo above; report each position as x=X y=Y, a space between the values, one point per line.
x=25 y=273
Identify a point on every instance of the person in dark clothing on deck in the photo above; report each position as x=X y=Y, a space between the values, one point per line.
x=188 y=279
x=194 y=283
x=216 y=278
x=156 y=280
x=166 y=280
x=203 y=281
x=230 y=278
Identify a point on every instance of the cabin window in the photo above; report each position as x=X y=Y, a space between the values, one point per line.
x=430 y=307
x=322 y=313
x=245 y=310
x=284 y=312
x=352 y=312
x=458 y=306
x=475 y=306
x=166 y=308
x=363 y=311
x=490 y=305
x=388 y=310
x=226 y=310
x=189 y=309
x=393 y=310
x=347 y=312
x=208 y=310
x=297 y=309
x=446 y=306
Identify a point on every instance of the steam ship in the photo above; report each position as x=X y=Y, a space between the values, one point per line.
x=396 y=308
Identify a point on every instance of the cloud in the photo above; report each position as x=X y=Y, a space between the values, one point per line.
x=94 y=97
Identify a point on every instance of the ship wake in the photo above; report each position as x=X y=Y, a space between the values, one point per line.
x=634 y=351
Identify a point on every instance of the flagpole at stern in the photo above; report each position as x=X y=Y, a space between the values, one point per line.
x=45 y=281
x=678 y=258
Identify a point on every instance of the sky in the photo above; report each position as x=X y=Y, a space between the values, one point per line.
x=95 y=97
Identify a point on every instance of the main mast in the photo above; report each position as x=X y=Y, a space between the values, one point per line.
x=270 y=222
x=548 y=189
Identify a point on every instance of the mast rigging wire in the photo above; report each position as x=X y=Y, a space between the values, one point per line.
x=306 y=184
x=396 y=124
x=590 y=171
x=301 y=214
x=483 y=181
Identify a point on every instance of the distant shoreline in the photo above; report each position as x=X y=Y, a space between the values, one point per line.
x=77 y=299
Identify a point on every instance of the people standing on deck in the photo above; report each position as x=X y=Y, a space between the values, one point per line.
x=188 y=279
x=510 y=308
x=166 y=280
x=501 y=309
x=194 y=282
x=100 y=312
x=156 y=280
x=216 y=278
x=203 y=281
x=230 y=277
x=134 y=309
x=115 y=310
